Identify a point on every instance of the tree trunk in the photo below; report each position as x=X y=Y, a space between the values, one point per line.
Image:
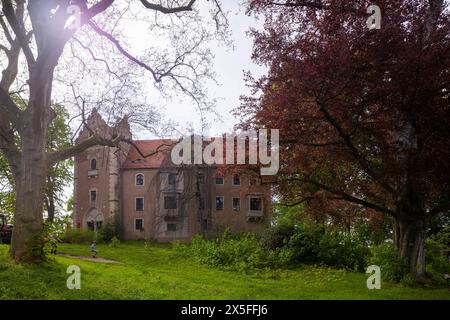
x=27 y=243
x=410 y=243
x=50 y=204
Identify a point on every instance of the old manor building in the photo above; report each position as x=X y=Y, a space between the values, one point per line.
x=137 y=188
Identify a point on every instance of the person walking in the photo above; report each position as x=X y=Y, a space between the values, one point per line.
x=94 y=250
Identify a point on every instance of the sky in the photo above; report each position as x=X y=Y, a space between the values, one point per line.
x=229 y=65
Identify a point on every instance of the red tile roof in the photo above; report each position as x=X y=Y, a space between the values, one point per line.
x=146 y=147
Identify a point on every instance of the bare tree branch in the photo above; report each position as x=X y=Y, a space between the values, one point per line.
x=167 y=10
x=18 y=28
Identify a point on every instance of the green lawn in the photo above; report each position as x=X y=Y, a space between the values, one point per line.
x=160 y=272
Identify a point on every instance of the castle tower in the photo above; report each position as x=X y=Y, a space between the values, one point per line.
x=97 y=175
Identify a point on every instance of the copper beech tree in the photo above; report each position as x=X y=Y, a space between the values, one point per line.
x=364 y=115
x=36 y=35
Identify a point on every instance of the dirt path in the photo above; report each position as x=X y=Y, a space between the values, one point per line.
x=100 y=260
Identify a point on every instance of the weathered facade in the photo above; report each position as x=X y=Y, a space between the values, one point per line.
x=150 y=198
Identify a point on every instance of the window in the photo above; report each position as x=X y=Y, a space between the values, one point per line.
x=94 y=225
x=139 y=179
x=93 y=195
x=172 y=179
x=255 y=204
x=236 y=204
x=219 y=203
x=219 y=179
x=93 y=164
x=172 y=227
x=201 y=178
x=236 y=180
x=170 y=202
x=139 y=224
x=139 y=204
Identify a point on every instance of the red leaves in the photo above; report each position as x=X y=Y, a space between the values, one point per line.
x=386 y=93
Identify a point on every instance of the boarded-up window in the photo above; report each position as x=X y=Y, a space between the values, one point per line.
x=172 y=227
x=172 y=179
x=170 y=202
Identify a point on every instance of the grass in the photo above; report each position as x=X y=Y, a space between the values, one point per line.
x=158 y=271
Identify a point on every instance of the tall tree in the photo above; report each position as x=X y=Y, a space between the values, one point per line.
x=58 y=177
x=364 y=114
x=38 y=35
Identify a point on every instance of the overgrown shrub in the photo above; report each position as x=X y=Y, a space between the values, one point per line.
x=343 y=250
x=115 y=242
x=237 y=252
x=80 y=236
x=437 y=262
x=393 y=268
x=277 y=236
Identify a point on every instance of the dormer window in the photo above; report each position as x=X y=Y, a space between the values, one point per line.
x=93 y=164
x=140 y=179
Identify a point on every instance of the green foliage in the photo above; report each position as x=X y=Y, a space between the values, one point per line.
x=79 y=236
x=228 y=252
x=281 y=247
x=59 y=176
x=393 y=268
x=437 y=261
x=343 y=250
x=160 y=272
x=114 y=242
x=109 y=231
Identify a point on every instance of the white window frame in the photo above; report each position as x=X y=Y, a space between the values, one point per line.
x=143 y=204
x=135 y=180
x=143 y=224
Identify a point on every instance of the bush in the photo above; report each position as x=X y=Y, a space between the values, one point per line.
x=114 y=242
x=227 y=252
x=343 y=250
x=281 y=247
x=79 y=236
x=277 y=236
x=437 y=262
x=393 y=268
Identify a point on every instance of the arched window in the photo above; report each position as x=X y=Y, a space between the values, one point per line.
x=140 y=179
x=94 y=164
